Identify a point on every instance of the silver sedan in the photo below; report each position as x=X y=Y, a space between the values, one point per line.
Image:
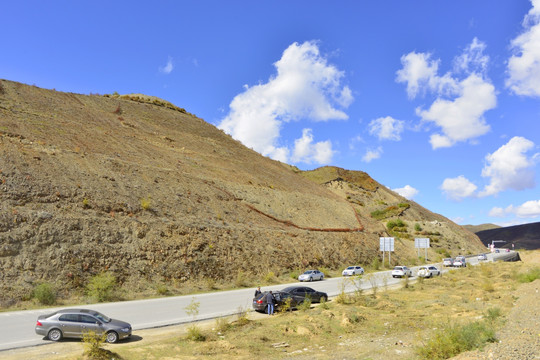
x=73 y=323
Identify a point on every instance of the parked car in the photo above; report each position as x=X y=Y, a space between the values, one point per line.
x=73 y=323
x=428 y=271
x=401 y=271
x=482 y=257
x=448 y=262
x=296 y=294
x=353 y=270
x=311 y=275
x=460 y=261
x=304 y=291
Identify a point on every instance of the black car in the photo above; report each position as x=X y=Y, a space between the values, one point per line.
x=302 y=292
x=296 y=294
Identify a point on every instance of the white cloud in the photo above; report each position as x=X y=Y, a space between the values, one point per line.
x=509 y=167
x=386 y=128
x=458 y=188
x=461 y=119
x=372 y=154
x=473 y=59
x=355 y=140
x=307 y=152
x=167 y=69
x=497 y=212
x=458 y=220
x=460 y=105
x=529 y=209
x=407 y=192
x=305 y=87
x=524 y=65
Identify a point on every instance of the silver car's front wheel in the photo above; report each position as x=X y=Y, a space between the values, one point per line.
x=55 y=335
x=112 y=337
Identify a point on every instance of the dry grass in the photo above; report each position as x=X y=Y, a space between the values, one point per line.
x=401 y=319
x=404 y=321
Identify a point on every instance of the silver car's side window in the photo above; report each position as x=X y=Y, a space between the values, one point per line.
x=69 y=317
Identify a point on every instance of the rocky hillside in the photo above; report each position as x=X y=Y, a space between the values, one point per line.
x=139 y=187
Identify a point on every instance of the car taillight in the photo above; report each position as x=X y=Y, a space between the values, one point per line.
x=39 y=324
x=259 y=301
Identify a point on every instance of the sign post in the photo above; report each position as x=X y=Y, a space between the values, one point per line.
x=387 y=244
x=422 y=243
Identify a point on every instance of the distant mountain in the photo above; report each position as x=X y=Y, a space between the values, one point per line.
x=481 y=227
x=526 y=236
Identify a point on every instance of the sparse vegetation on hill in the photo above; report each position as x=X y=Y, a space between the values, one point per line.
x=163 y=200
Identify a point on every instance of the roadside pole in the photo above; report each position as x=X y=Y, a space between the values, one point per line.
x=422 y=243
x=387 y=244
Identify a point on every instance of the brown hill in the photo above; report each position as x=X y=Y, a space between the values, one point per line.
x=139 y=187
x=481 y=227
x=526 y=236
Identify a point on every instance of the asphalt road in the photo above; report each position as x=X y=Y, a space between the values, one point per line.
x=17 y=327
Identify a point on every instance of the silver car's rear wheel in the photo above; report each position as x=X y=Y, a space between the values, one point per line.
x=55 y=335
x=112 y=337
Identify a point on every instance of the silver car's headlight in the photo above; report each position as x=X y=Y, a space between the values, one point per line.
x=126 y=329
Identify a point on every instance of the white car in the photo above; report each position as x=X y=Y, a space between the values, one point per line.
x=401 y=271
x=428 y=271
x=448 y=262
x=482 y=257
x=460 y=261
x=353 y=270
x=311 y=275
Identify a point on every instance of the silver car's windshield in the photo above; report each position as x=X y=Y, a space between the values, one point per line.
x=102 y=317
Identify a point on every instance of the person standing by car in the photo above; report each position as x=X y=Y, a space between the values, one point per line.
x=258 y=291
x=270 y=300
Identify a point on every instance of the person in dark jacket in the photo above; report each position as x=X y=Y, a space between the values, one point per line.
x=258 y=291
x=270 y=300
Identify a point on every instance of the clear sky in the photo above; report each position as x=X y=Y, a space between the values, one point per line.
x=438 y=100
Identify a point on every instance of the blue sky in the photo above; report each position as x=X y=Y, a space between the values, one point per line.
x=439 y=100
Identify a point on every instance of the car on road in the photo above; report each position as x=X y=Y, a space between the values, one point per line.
x=296 y=294
x=401 y=271
x=460 y=261
x=353 y=270
x=448 y=262
x=428 y=271
x=311 y=275
x=73 y=323
x=482 y=257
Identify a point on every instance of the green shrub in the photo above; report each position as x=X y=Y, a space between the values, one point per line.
x=493 y=314
x=529 y=276
x=455 y=339
x=86 y=203
x=222 y=325
x=286 y=306
x=162 y=289
x=241 y=279
x=305 y=305
x=243 y=318
x=324 y=304
x=146 y=203
x=45 y=294
x=417 y=227
x=395 y=224
x=375 y=264
x=270 y=277
x=194 y=333
x=101 y=287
